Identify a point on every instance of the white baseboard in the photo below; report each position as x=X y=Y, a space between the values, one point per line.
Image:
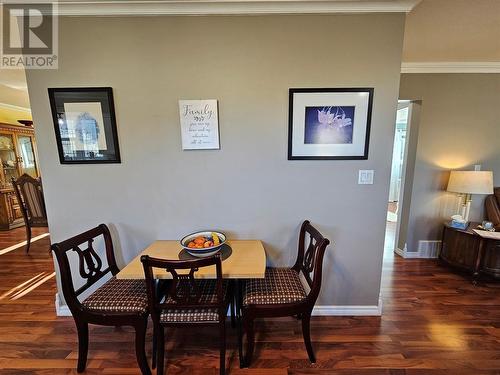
x=427 y=250
x=61 y=310
x=321 y=310
x=400 y=252
x=407 y=254
x=350 y=310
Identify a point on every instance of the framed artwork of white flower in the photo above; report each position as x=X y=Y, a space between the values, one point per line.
x=329 y=124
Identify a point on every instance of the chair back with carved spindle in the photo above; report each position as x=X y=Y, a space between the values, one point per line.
x=310 y=259
x=29 y=193
x=184 y=289
x=91 y=267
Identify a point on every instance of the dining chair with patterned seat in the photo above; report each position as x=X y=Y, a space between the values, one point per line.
x=29 y=194
x=118 y=302
x=188 y=302
x=287 y=291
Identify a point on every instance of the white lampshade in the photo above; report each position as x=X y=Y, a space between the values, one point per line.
x=471 y=182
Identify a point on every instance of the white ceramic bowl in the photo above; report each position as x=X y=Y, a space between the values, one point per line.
x=206 y=251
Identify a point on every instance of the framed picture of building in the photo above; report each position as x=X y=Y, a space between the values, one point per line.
x=85 y=125
x=329 y=124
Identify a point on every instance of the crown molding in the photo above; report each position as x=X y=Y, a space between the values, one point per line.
x=14 y=107
x=451 y=67
x=227 y=7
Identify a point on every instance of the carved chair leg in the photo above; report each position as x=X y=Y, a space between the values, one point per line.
x=306 y=332
x=155 y=348
x=83 y=344
x=222 y=347
x=28 y=238
x=159 y=285
x=248 y=325
x=161 y=350
x=233 y=313
x=140 y=345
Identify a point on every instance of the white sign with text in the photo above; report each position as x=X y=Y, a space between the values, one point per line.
x=199 y=124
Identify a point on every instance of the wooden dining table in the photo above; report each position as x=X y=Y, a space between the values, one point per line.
x=247 y=260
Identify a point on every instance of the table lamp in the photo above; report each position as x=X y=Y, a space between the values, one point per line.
x=466 y=183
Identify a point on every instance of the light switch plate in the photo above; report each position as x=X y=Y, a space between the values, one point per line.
x=366 y=177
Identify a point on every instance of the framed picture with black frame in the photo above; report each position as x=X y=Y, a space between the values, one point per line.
x=329 y=123
x=85 y=125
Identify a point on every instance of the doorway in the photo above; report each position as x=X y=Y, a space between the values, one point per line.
x=397 y=175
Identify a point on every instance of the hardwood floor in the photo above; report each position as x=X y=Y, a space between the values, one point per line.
x=435 y=322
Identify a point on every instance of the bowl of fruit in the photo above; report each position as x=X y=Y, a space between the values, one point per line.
x=203 y=244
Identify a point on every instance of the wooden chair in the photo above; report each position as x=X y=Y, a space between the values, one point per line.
x=282 y=293
x=29 y=194
x=116 y=303
x=187 y=302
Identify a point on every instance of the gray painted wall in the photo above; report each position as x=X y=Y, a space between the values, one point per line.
x=409 y=171
x=248 y=189
x=459 y=126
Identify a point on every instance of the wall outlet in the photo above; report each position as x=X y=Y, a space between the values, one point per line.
x=366 y=177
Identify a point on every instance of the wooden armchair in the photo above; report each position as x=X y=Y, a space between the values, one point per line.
x=29 y=194
x=116 y=303
x=188 y=302
x=282 y=293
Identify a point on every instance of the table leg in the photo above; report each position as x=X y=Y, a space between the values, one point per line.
x=477 y=265
x=238 y=302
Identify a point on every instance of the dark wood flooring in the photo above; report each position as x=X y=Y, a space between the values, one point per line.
x=434 y=322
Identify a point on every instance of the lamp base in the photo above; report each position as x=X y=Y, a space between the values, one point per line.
x=467 y=208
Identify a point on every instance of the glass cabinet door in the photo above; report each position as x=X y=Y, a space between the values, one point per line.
x=26 y=155
x=8 y=158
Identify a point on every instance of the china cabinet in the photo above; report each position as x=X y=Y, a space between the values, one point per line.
x=17 y=156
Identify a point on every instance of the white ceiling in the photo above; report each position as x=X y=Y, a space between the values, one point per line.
x=13 y=78
x=14 y=101
x=453 y=31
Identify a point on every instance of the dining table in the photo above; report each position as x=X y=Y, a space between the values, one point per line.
x=241 y=259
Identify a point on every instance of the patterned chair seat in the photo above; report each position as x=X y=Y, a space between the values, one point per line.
x=189 y=315
x=195 y=314
x=119 y=296
x=279 y=286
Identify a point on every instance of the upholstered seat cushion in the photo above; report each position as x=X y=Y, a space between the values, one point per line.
x=189 y=315
x=280 y=285
x=195 y=314
x=119 y=296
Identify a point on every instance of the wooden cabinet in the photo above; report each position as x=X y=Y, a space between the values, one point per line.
x=491 y=263
x=17 y=156
x=10 y=212
x=459 y=247
x=467 y=251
